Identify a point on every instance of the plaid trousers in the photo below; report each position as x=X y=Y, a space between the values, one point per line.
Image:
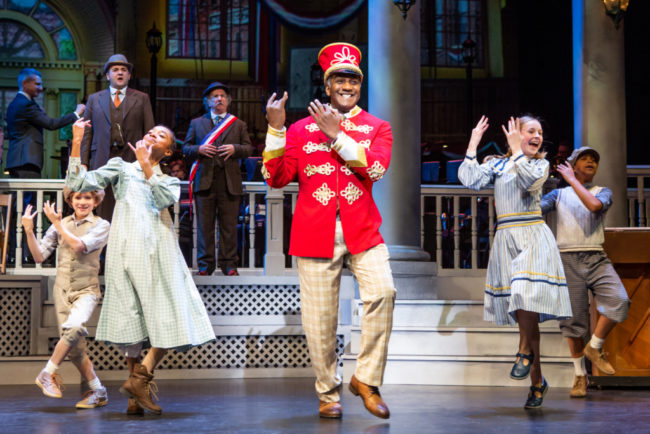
x=319 y=297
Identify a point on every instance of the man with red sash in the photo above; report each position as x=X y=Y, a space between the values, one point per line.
x=218 y=140
x=336 y=155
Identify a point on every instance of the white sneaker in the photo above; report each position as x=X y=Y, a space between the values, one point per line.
x=50 y=384
x=93 y=398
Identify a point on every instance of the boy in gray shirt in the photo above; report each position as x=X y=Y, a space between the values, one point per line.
x=580 y=210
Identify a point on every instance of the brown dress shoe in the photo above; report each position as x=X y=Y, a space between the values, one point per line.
x=142 y=389
x=133 y=408
x=371 y=398
x=330 y=410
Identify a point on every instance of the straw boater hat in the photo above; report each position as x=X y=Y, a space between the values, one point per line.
x=577 y=153
x=117 y=59
x=340 y=57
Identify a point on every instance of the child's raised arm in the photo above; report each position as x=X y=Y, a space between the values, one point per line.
x=32 y=242
x=588 y=199
x=78 y=178
x=68 y=237
x=78 y=129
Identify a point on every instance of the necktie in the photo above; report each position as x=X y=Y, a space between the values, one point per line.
x=117 y=99
x=217 y=120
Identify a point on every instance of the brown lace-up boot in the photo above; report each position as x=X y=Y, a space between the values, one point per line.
x=142 y=389
x=132 y=408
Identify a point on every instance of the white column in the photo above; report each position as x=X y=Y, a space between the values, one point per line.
x=393 y=80
x=599 y=98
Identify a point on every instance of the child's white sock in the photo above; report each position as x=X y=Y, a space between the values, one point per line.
x=51 y=367
x=579 y=366
x=95 y=384
x=596 y=343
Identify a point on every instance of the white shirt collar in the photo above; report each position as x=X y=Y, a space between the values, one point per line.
x=26 y=95
x=121 y=91
x=214 y=116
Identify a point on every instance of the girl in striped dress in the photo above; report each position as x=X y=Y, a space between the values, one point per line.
x=525 y=281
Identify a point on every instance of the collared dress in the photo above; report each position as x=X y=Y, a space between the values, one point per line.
x=524 y=271
x=150 y=295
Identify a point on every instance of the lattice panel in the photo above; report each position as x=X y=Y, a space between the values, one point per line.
x=15 y=307
x=227 y=352
x=251 y=299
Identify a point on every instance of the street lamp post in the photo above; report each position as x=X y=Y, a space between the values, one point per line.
x=469 y=54
x=154 y=42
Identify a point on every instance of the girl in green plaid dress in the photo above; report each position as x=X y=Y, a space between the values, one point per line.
x=150 y=298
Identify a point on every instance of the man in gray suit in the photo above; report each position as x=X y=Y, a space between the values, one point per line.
x=119 y=115
x=218 y=140
x=25 y=123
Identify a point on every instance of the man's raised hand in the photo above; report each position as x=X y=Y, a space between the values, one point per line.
x=275 y=114
x=327 y=118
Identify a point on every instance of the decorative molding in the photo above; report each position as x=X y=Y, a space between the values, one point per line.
x=39 y=64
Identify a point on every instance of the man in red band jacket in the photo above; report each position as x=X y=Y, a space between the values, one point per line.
x=336 y=155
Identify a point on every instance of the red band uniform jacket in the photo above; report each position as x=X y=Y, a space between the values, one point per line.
x=332 y=175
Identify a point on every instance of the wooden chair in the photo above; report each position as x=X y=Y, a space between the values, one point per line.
x=5 y=207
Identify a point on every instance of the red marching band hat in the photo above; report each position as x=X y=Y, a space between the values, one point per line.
x=340 y=57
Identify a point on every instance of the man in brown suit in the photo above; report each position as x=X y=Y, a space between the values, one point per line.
x=218 y=140
x=119 y=115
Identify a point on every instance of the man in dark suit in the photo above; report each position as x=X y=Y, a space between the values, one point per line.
x=119 y=115
x=218 y=140
x=25 y=123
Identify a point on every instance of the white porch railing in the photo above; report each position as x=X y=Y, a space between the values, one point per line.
x=457 y=223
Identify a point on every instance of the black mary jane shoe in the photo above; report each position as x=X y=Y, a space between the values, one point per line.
x=520 y=371
x=533 y=400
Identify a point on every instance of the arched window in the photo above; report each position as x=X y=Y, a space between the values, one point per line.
x=34 y=33
x=17 y=41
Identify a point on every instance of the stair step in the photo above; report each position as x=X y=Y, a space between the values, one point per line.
x=464 y=371
x=436 y=313
x=468 y=341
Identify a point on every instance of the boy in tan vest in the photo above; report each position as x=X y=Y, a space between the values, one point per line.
x=80 y=238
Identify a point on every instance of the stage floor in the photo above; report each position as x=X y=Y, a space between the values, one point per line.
x=290 y=406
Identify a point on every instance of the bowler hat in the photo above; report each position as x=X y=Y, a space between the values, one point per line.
x=577 y=153
x=216 y=85
x=117 y=59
